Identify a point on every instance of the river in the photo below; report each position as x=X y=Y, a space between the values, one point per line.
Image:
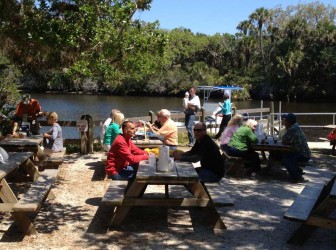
x=72 y=106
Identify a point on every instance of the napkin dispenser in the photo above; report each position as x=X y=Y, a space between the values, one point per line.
x=165 y=163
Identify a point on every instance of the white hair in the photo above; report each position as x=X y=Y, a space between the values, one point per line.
x=165 y=113
x=251 y=123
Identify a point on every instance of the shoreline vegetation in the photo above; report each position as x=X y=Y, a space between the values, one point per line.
x=280 y=54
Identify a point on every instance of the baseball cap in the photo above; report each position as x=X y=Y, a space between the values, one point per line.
x=290 y=117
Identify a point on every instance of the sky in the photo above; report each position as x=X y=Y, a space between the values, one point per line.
x=210 y=16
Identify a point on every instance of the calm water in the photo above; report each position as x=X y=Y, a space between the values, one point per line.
x=72 y=107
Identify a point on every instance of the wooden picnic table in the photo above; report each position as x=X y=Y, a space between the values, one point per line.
x=25 y=144
x=269 y=145
x=30 y=202
x=183 y=174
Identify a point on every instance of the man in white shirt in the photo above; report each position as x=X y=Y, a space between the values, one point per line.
x=193 y=106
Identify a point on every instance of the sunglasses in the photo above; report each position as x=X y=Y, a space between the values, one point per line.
x=198 y=129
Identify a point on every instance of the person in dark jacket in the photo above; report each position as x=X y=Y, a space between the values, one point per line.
x=207 y=152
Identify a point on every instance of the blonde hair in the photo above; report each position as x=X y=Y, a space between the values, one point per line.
x=251 y=123
x=118 y=117
x=236 y=120
x=53 y=116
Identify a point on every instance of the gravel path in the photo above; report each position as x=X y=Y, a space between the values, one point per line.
x=74 y=220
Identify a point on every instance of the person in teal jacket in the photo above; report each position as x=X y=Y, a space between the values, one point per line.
x=113 y=129
x=239 y=146
x=226 y=114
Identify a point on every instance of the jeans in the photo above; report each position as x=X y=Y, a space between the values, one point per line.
x=290 y=161
x=251 y=157
x=206 y=175
x=126 y=173
x=189 y=123
x=225 y=120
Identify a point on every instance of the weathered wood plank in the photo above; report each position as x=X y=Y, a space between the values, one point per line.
x=115 y=193
x=186 y=171
x=36 y=194
x=14 y=161
x=218 y=195
x=305 y=202
x=167 y=202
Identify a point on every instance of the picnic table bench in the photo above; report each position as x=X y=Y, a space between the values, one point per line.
x=31 y=201
x=54 y=159
x=312 y=209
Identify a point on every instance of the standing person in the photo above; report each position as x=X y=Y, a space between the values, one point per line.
x=232 y=126
x=124 y=157
x=294 y=137
x=53 y=139
x=239 y=146
x=207 y=152
x=193 y=106
x=27 y=110
x=168 y=129
x=113 y=129
x=226 y=114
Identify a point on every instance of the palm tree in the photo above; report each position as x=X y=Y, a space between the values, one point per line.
x=244 y=27
x=260 y=17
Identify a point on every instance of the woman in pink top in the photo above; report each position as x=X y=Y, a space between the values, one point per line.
x=235 y=122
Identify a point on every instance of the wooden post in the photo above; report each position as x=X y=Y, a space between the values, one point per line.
x=261 y=106
x=203 y=115
x=272 y=118
x=152 y=116
x=87 y=137
x=234 y=110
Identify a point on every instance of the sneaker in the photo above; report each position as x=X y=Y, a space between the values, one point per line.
x=300 y=180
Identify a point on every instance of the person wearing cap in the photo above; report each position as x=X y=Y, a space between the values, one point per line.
x=27 y=111
x=294 y=137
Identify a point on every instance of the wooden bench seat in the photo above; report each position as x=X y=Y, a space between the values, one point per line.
x=54 y=159
x=218 y=194
x=303 y=205
x=312 y=208
x=26 y=209
x=234 y=167
x=37 y=193
x=115 y=193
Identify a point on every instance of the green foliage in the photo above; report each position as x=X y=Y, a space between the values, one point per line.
x=95 y=46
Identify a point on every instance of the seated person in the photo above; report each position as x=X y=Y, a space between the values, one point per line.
x=104 y=127
x=239 y=146
x=235 y=122
x=207 y=152
x=113 y=129
x=27 y=111
x=53 y=140
x=124 y=157
x=168 y=130
x=294 y=137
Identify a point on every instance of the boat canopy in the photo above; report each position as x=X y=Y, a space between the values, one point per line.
x=207 y=90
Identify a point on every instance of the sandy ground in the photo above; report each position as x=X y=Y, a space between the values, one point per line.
x=75 y=219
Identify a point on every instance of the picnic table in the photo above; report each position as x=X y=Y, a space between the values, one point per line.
x=31 y=201
x=270 y=145
x=124 y=195
x=24 y=144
